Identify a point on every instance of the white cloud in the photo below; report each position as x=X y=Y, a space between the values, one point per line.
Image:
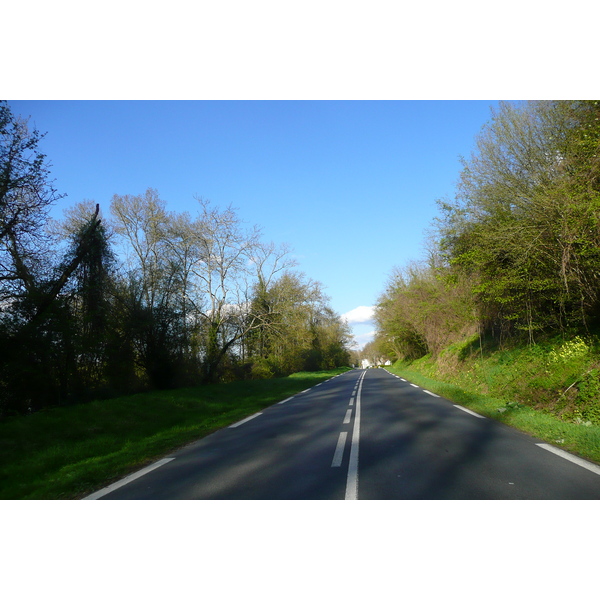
x=362 y=339
x=360 y=314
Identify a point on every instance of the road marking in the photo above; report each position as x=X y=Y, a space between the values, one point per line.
x=574 y=459
x=402 y=379
x=286 y=400
x=352 y=479
x=348 y=416
x=245 y=420
x=414 y=385
x=339 y=450
x=431 y=393
x=351 y=401
x=128 y=479
x=470 y=411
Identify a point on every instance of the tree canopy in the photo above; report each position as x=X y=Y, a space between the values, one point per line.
x=516 y=253
x=141 y=297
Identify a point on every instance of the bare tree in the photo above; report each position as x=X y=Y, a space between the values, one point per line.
x=231 y=262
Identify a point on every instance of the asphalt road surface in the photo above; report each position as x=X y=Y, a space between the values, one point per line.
x=368 y=435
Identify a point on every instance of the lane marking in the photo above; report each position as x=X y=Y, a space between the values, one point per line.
x=470 y=412
x=402 y=379
x=351 y=401
x=348 y=416
x=128 y=479
x=431 y=393
x=414 y=385
x=286 y=400
x=574 y=459
x=352 y=479
x=339 y=450
x=245 y=420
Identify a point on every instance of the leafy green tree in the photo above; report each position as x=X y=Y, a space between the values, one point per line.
x=524 y=222
x=298 y=331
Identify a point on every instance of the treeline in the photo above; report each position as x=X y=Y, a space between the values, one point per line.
x=515 y=256
x=141 y=298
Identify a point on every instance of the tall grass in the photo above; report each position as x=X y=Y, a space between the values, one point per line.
x=68 y=452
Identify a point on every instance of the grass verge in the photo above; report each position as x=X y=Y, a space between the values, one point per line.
x=69 y=452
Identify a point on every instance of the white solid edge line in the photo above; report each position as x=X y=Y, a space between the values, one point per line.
x=431 y=393
x=245 y=420
x=574 y=459
x=470 y=412
x=339 y=450
x=352 y=479
x=128 y=479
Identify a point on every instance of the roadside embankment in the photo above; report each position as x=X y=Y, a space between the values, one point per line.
x=550 y=390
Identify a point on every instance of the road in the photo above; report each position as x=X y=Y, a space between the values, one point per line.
x=368 y=435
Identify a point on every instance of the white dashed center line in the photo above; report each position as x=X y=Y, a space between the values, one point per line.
x=339 y=450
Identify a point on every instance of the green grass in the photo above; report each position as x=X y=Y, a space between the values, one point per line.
x=69 y=452
x=549 y=391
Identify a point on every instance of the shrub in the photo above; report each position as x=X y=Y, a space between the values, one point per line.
x=261 y=370
x=587 y=403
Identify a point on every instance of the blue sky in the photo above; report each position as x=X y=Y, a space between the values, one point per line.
x=351 y=186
